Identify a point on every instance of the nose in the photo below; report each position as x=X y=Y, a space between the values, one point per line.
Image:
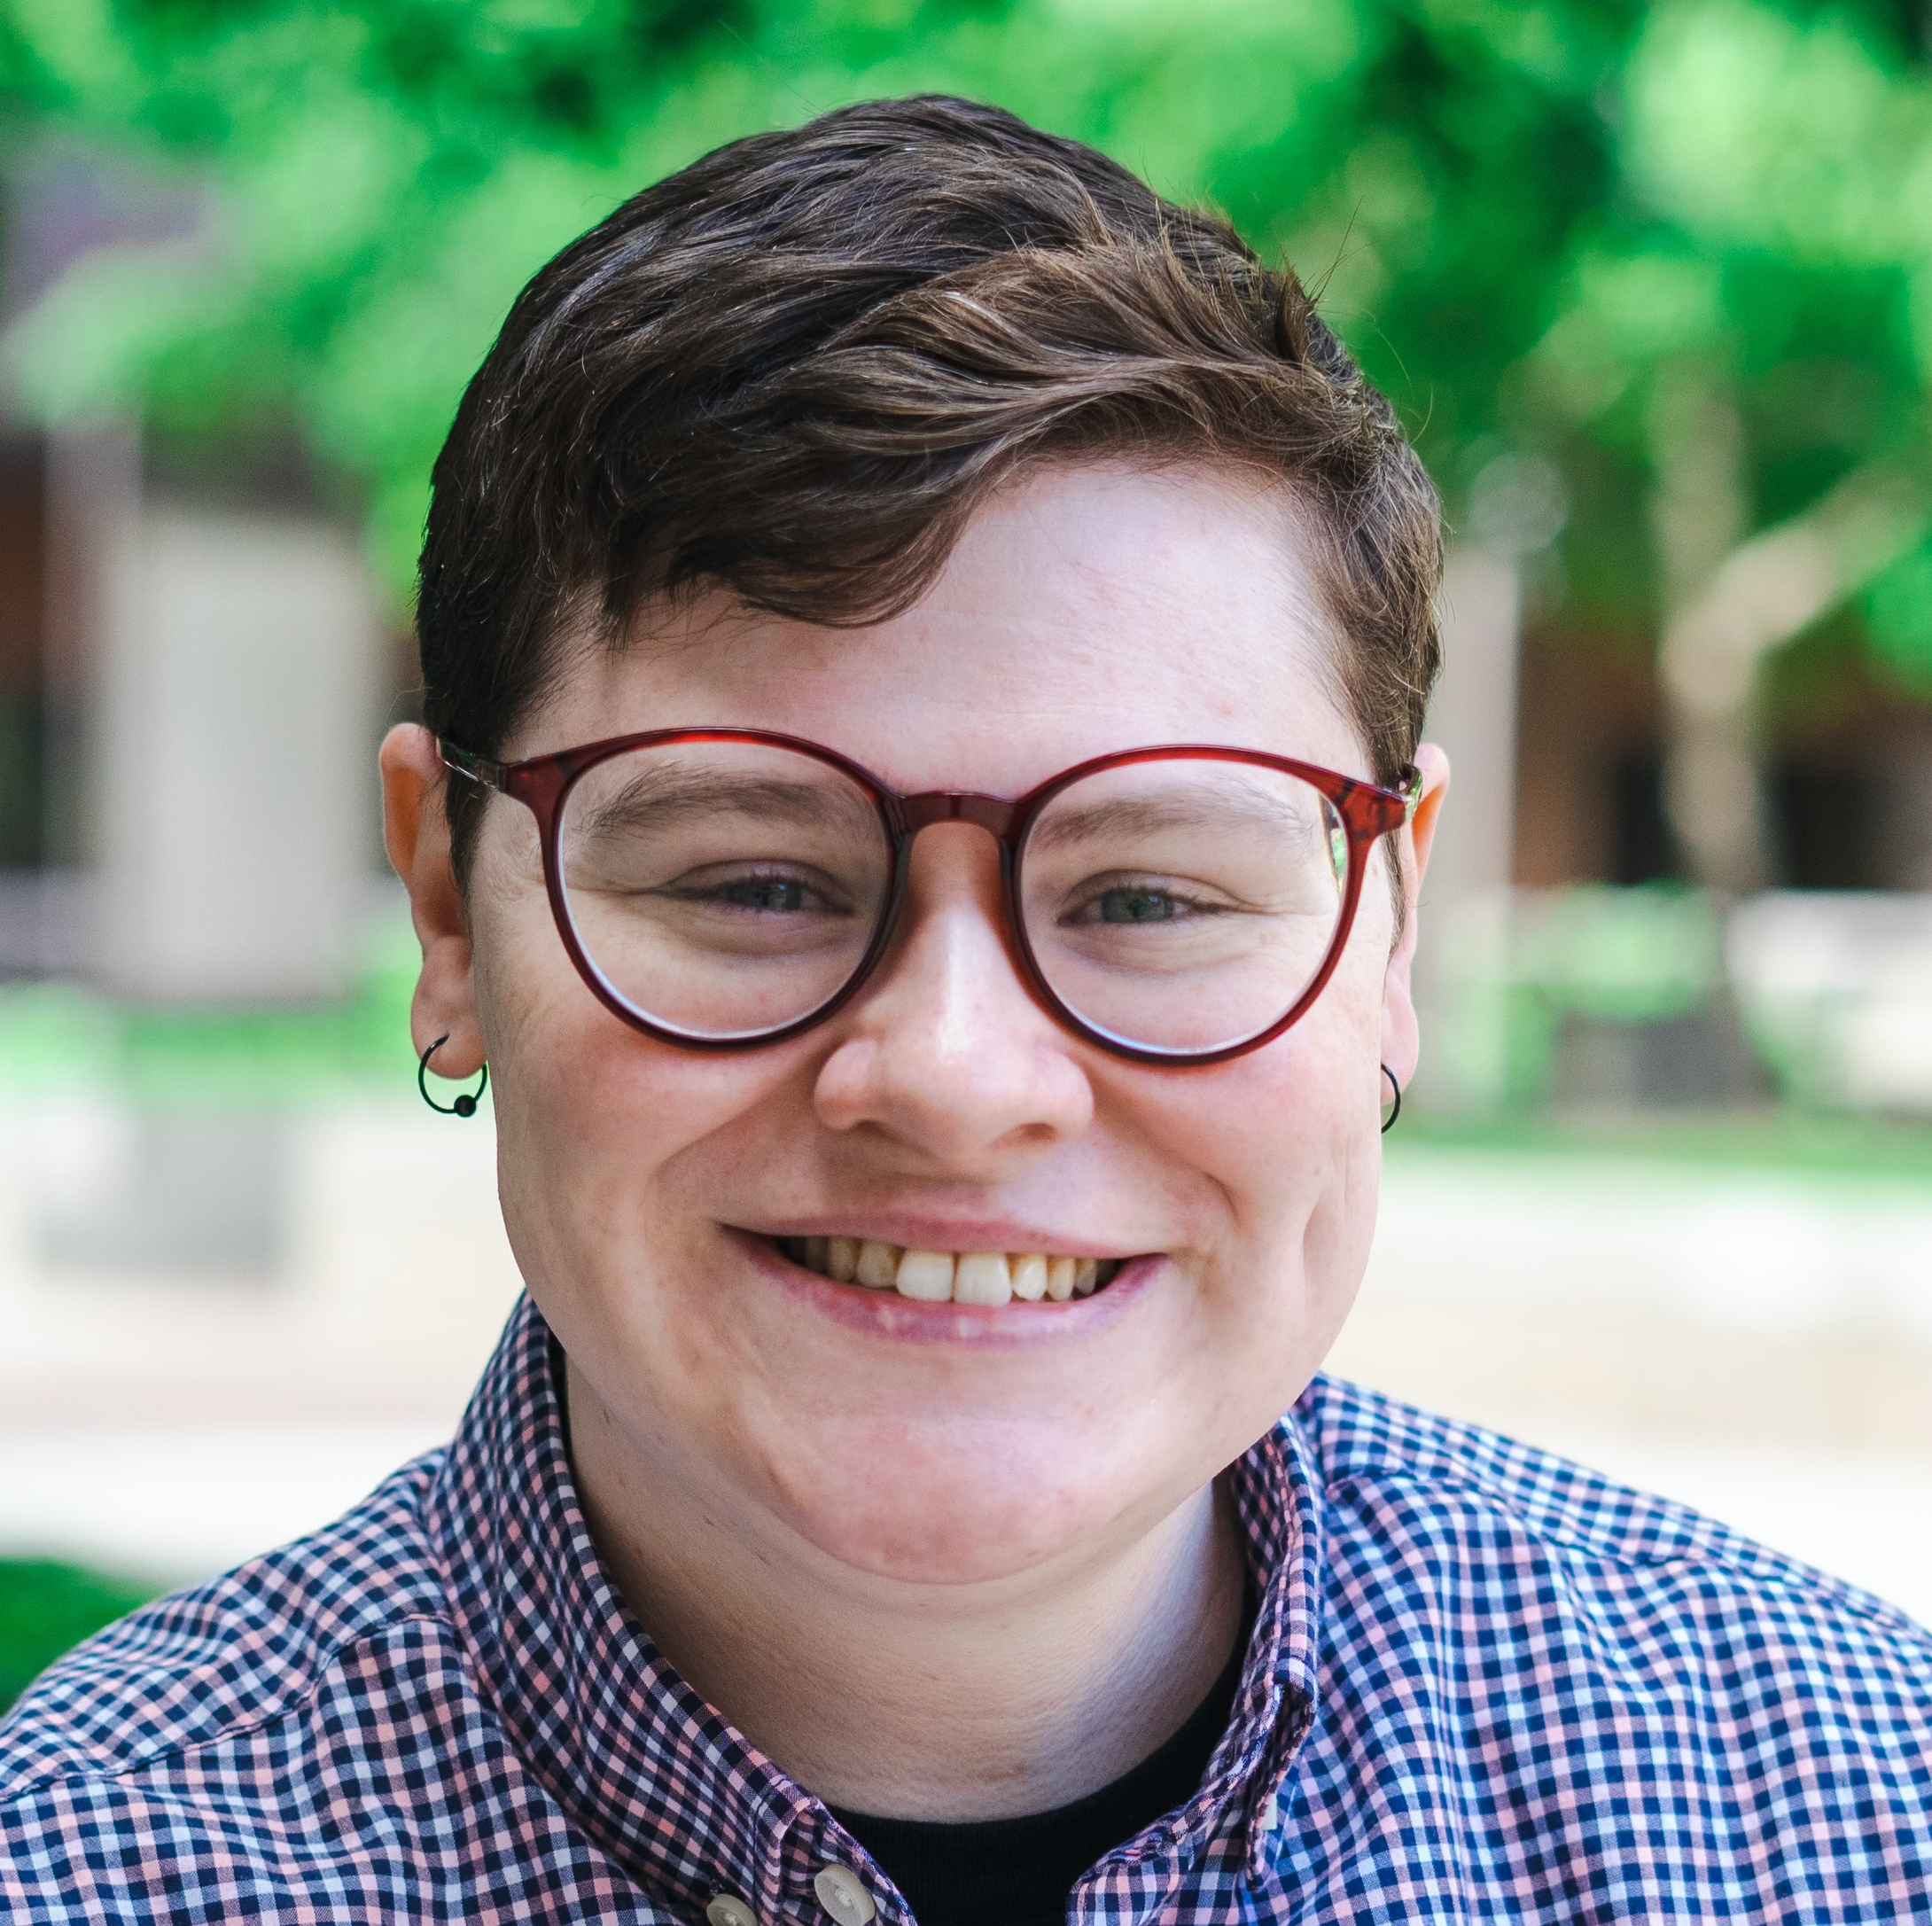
x=947 y=1052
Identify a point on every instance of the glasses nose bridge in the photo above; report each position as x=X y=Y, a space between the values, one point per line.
x=988 y=812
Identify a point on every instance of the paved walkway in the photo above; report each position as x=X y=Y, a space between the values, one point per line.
x=1757 y=1343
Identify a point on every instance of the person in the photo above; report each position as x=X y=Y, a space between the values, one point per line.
x=919 y=820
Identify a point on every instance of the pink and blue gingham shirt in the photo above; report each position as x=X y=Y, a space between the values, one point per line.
x=1483 y=1685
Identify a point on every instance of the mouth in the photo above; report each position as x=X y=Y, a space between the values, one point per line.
x=981 y=1277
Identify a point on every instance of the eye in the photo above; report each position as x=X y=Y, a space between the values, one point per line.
x=751 y=894
x=1133 y=904
x=1138 y=906
x=767 y=893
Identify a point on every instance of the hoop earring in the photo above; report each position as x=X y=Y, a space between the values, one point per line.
x=465 y=1105
x=1388 y=1122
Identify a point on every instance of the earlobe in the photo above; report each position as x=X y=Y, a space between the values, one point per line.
x=416 y=834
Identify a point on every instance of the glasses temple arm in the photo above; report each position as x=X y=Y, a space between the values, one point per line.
x=479 y=769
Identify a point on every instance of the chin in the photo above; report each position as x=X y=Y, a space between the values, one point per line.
x=990 y=1506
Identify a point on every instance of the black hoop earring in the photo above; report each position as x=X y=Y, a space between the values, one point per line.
x=1388 y=1122
x=465 y=1105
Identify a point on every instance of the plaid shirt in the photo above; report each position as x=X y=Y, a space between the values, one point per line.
x=1483 y=1685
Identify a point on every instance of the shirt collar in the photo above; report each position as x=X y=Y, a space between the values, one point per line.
x=660 y=1780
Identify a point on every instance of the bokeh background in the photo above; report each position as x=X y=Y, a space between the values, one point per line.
x=1651 y=286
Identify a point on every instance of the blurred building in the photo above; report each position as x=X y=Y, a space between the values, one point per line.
x=1564 y=958
x=1848 y=767
x=193 y=672
x=190 y=691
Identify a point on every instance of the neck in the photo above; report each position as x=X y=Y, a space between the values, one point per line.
x=955 y=1701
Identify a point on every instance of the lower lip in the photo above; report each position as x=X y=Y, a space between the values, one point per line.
x=990 y=1327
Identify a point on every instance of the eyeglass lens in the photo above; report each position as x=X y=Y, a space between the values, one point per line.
x=726 y=889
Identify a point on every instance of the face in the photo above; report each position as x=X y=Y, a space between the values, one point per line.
x=653 y=1194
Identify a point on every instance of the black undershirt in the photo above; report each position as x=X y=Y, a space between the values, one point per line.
x=1018 y=1872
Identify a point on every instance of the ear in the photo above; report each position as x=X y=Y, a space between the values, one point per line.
x=1401 y=1040
x=416 y=832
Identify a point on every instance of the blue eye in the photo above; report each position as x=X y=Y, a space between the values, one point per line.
x=764 y=892
x=1138 y=906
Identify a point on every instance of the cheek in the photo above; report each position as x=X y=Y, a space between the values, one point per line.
x=591 y=1116
x=1289 y=1135
x=1273 y=1130
x=576 y=1088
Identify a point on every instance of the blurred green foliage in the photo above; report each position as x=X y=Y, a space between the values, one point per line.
x=1898 y=609
x=1517 y=969
x=1857 y=1148
x=46 y=1610
x=1647 y=955
x=1528 y=219
x=59 y=1039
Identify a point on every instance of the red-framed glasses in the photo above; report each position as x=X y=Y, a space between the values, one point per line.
x=724 y=888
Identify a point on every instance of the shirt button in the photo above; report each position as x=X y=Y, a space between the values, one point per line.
x=840 y=1893
x=729 y=1910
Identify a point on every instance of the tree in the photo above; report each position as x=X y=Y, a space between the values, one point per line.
x=1665 y=252
x=383 y=174
x=1749 y=332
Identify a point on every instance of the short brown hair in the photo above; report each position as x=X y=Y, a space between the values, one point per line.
x=795 y=370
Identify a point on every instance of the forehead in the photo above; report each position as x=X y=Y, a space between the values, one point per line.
x=1084 y=610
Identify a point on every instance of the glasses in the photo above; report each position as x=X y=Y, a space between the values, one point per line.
x=723 y=889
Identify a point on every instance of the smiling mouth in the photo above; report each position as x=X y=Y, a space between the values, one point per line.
x=952 y=1276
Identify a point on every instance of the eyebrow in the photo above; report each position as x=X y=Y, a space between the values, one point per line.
x=1149 y=815
x=659 y=797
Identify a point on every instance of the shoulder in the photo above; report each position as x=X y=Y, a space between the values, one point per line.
x=204 y=1667
x=1596 y=1703
x=310 y=1738
x=1457 y=1509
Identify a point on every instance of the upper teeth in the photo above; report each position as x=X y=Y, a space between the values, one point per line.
x=954 y=1276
